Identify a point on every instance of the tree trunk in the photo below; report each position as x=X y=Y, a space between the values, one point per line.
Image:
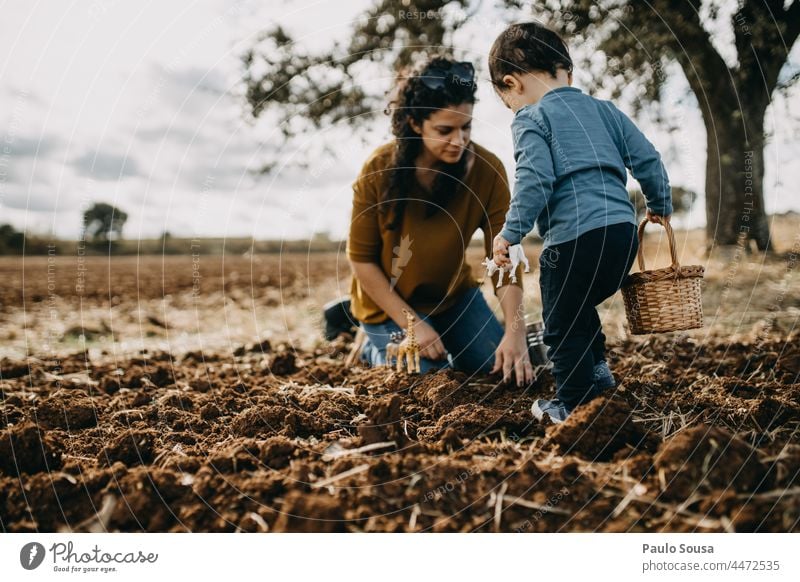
x=735 y=181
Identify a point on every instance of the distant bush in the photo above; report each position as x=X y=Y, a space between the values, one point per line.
x=682 y=200
x=11 y=241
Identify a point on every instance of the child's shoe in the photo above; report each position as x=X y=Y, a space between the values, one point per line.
x=603 y=378
x=555 y=409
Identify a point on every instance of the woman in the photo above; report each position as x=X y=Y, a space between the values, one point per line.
x=416 y=204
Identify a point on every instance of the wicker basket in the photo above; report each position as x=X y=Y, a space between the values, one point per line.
x=665 y=299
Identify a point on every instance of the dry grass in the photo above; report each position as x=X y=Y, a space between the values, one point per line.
x=181 y=303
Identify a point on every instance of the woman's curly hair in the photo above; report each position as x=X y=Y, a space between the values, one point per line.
x=412 y=99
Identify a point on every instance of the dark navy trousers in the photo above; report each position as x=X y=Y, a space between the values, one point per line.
x=576 y=276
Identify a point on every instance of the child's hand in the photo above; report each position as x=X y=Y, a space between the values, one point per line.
x=657 y=218
x=500 y=251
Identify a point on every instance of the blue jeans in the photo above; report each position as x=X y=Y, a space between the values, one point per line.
x=574 y=277
x=469 y=331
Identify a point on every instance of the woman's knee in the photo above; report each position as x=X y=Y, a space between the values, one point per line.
x=477 y=356
x=371 y=354
x=472 y=335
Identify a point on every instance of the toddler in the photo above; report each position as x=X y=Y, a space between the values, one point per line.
x=571 y=152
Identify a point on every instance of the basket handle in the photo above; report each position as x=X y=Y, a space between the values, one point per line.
x=670 y=237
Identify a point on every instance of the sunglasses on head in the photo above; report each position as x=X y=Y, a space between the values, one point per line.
x=436 y=77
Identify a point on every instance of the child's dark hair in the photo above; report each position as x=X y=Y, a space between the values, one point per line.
x=412 y=99
x=525 y=47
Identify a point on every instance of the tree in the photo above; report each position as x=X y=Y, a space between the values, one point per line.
x=11 y=241
x=103 y=222
x=638 y=40
x=309 y=92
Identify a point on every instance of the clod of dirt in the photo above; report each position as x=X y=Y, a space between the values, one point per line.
x=384 y=424
x=110 y=385
x=768 y=412
x=437 y=393
x=283 y=364
x=789 y=362
x=263 y=347
x=471 y=420
x=304 y=512
x=62 y=410
x=276 y=452
x=134 y=447
x=27 y=449
x=210 y=411
x=325 y=373
x=242 y=455
x=596 y=430
x=703 y=458
x=200 y=385
x=261 y=421
x=638 y=465
x=142 y=499
x=163 y=375
x=450 y=439
x=176 y=399
x=13 y=369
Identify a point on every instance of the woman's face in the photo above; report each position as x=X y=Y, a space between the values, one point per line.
x=446 y=132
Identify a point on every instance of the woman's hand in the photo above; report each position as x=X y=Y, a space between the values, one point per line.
x=512 y=354
x=430 y=344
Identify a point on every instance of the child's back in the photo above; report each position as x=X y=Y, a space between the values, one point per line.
x=574 y=150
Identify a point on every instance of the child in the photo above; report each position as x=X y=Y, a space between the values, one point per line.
x=571 y=153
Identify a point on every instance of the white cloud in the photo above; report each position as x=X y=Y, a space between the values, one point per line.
x=105 y=165
x=134 y=104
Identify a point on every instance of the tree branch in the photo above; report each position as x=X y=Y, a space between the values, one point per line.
x=691 y=46
x=764 y=34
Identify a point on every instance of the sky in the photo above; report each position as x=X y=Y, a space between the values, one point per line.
x=136 y=104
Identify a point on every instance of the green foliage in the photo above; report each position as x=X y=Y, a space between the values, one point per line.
x=103 y=223
x=625 y=45
x=12 y=242
x=308 y=92
x=639 y=40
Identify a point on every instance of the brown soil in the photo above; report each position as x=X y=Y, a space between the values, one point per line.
x=255 y=434
x=704 y=458
x=597 y=430
x=203 y=443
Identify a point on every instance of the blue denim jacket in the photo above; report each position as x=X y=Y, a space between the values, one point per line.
x=571 y=152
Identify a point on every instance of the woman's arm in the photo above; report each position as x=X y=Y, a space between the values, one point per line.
x=363 y=252
x=512 y=353
x=374 y=281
